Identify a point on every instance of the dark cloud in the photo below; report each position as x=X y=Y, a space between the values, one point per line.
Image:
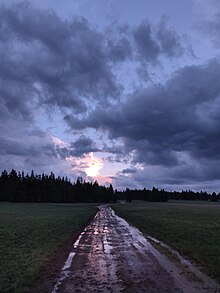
x=162 y=124
x=78 y=149
x=147 y=46
x=70 y=65
x=46 y=60
x=129 y=171
x=18 y=148
x=82 y=146
x=23 y=146
x=191 y=175
x=119 y=50
x=168 y=39
x=153 y=42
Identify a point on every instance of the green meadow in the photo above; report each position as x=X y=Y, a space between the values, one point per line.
x=192 y=228
x=30 y=234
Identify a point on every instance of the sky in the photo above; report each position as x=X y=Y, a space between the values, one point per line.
x=125 y=92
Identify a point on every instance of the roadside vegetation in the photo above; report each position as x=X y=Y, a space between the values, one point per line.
x=192 y=228
x=30 y=234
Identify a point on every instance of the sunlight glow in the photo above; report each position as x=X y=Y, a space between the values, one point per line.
x=89 y=164
x=95 y=164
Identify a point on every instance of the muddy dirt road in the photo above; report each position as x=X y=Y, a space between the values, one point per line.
x=112 y=256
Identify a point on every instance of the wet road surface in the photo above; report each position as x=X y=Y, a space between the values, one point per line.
x=112 y=256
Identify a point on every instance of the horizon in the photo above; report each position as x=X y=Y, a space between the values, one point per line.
x=92 y=181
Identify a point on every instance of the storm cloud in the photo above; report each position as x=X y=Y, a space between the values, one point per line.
x=48 y=61
x=163 y=124
x=75 y=91
x=53 y=61
x=83 y=145
x=153 y=42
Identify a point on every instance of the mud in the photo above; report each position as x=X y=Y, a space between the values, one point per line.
x=112 y=256
x=190 y=267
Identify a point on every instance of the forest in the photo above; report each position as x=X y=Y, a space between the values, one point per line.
x=19 y=187
x=156 y=195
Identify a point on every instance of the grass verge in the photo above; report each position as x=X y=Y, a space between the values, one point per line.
x=193 y=229
x=30 y=234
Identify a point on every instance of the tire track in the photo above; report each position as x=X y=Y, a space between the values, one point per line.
x=112 y=256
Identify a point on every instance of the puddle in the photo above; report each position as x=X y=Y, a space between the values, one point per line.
x=68 y=261
x=117 y=257
x=64 y=274
x=105 y=230
x=208 y=284
x=96 y=231
x=184 y=261
x=107 y=247
x=77 y=241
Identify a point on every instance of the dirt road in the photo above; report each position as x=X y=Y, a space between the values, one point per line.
x=112 y=256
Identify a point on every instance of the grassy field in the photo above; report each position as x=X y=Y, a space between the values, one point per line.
x=192 y=228
x=30 y=234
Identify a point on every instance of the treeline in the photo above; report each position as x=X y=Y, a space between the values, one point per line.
x=192 y=195
x=154 y=195
x=20 y=187
x=157 y=195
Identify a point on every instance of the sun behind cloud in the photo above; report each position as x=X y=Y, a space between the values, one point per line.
x=95 y=164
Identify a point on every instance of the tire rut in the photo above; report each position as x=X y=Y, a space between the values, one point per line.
x=112 y=256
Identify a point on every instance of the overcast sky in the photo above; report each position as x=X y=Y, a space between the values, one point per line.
x=120 y=91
